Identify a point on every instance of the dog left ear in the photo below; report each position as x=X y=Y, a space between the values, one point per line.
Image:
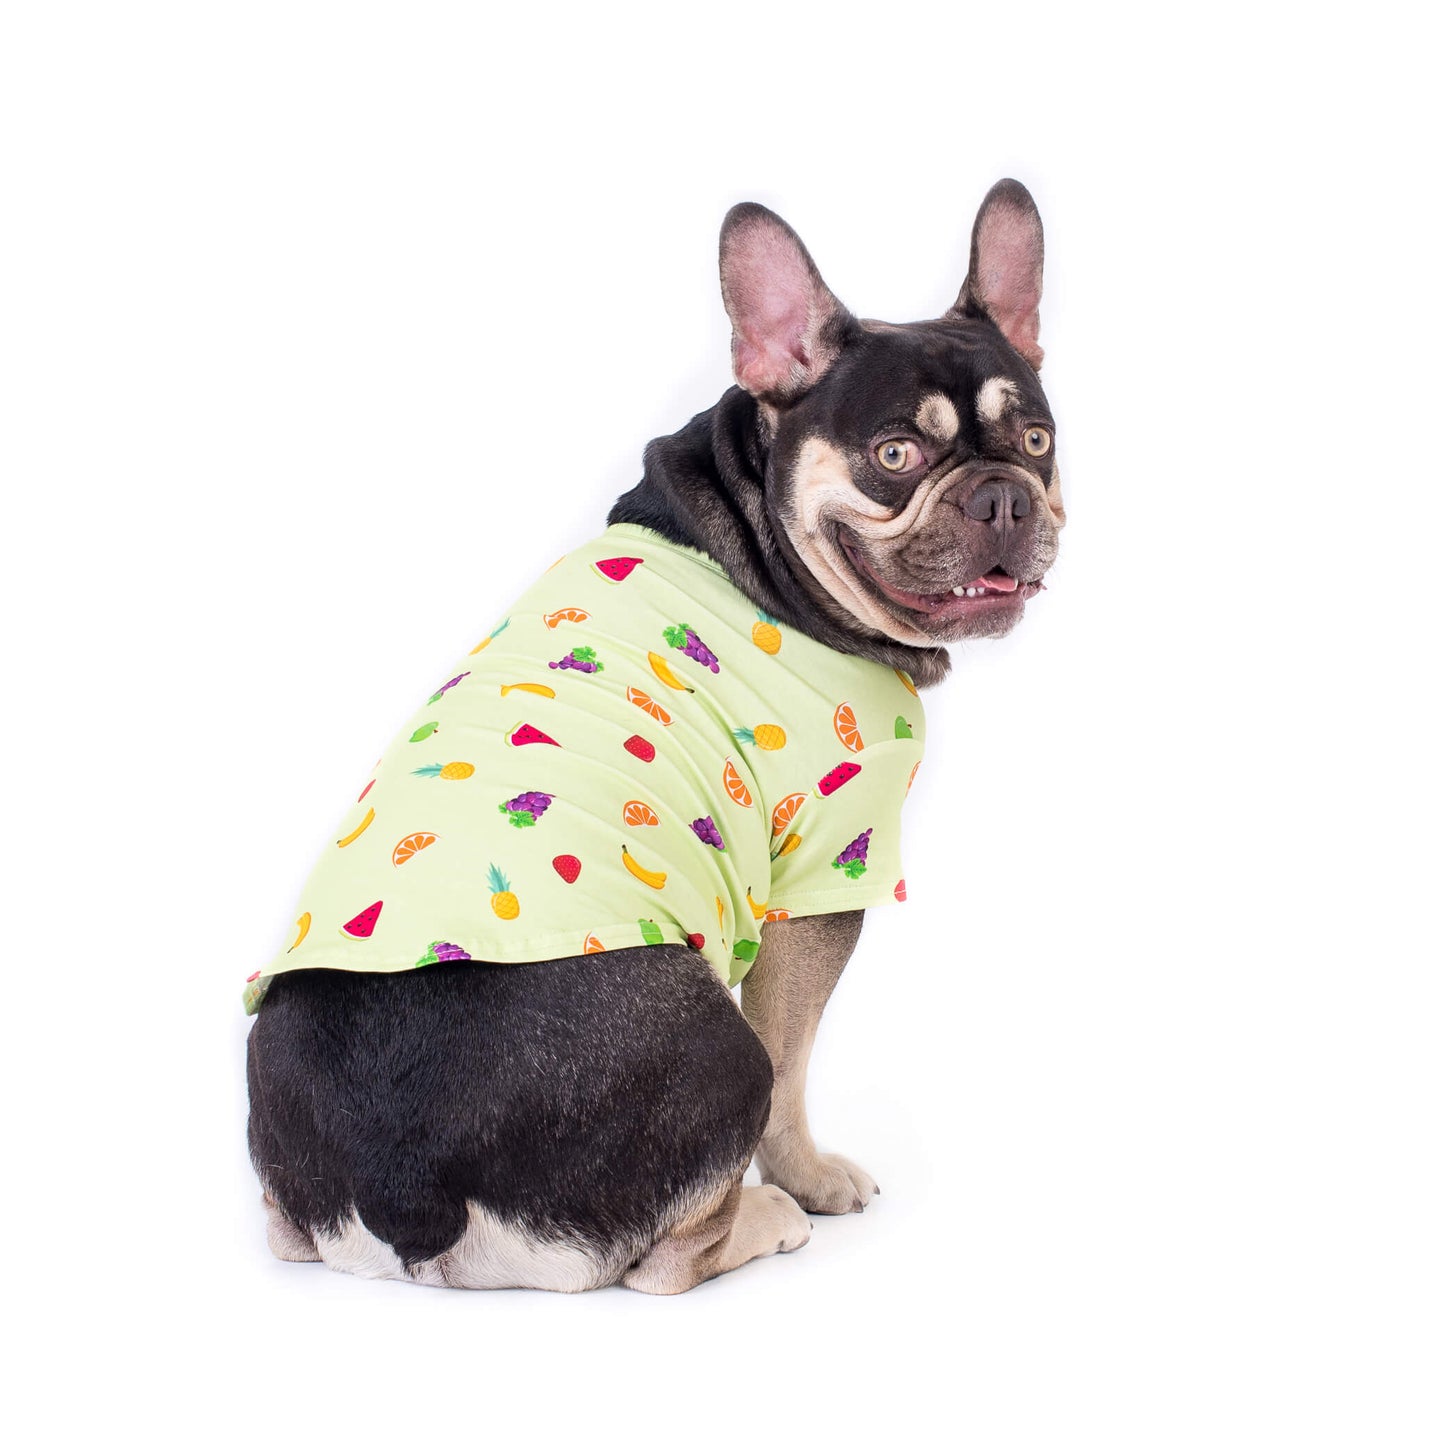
x=1006 y=268
x=788 y=327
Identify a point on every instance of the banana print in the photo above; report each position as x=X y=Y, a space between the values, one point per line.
x=648 y=876
x=666 y=675
x=356 y=832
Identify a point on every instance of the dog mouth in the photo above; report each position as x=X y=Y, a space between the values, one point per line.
x=995 y=591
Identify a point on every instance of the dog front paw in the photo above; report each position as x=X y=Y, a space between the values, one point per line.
x=823 y=1184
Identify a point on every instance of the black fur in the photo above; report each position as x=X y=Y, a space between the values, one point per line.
x=578 y=1097
x=707 y=486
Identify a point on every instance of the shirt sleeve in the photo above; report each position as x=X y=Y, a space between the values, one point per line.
x=847 y=852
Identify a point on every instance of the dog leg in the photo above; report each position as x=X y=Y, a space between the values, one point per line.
x=288 y=1240
x=783 y=997
x=733 y=1227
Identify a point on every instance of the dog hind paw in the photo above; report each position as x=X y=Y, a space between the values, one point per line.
x=783 y=1212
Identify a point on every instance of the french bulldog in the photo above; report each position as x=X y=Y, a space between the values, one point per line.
x=878 y=490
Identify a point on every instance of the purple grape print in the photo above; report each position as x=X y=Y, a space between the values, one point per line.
x=441 y=952
x=691 y=644
x=853 y=860
x=706 y=830
x=580 y=659
x=524 y=810
x=446 y=685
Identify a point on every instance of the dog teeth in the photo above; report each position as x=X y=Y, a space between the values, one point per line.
x=958 y=591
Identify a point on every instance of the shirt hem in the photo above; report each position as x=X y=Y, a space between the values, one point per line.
x=545 y=949
x=833 y=900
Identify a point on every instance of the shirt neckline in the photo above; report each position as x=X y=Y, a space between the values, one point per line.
x=652 y=538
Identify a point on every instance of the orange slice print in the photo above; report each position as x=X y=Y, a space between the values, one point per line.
x=565 y=614
x=410 y=846
x=636 y=696
x=846 y=726
x=911 y=777
x=637 y=814
x=737 y=789
x=774 y=915
x=787 y=810
x=592 y=944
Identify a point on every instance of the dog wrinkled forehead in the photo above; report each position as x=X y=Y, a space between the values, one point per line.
x=952 y=386
x=955 y=385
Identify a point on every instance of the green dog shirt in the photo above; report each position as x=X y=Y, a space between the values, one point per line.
x=636 y=755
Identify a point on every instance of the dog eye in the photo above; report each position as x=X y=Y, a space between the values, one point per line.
x=897 y=456
x=1037 y=442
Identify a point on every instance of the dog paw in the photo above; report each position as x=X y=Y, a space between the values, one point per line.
x=826 y=1184
x=782 y=1214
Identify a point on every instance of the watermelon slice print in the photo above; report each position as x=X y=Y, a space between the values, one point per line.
x=830 y=782
x=617 y=569
x=525 y=733
x=364 y=924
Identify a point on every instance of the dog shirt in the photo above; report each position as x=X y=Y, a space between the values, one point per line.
x=635 y=755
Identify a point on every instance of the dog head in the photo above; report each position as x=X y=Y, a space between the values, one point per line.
x=911 y=469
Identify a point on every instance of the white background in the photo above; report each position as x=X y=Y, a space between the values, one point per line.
x=326 y=327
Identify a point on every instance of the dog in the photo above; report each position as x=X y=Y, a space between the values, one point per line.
x=466 y=1083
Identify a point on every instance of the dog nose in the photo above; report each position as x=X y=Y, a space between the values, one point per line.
x=997 y=502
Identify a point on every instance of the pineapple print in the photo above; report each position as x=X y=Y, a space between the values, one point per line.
x=766 y=634
x=767 y=736
x=504 y=901
x=450 y=771
x=486 y=641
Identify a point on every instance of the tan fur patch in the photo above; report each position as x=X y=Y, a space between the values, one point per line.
x=824 y=496
x=993 y=396
x=938 y=416
x=1054 y=496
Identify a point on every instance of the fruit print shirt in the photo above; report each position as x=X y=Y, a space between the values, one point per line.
x=634 y=755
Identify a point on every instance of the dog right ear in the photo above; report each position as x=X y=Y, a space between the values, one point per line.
x=788 y=327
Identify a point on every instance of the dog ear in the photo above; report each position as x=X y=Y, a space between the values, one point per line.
x=1006 y=268
x=788 y=327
